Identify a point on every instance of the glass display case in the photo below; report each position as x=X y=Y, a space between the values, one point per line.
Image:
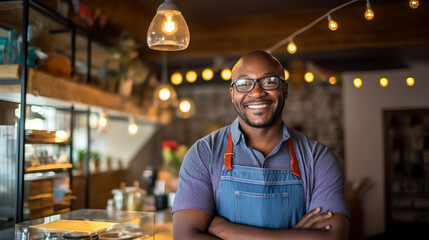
x=90 y=224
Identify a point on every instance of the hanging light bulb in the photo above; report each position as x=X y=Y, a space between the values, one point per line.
x=207 y=74
x=309 y=77
x=384 y=82
x=369 y=14
x=333 y=80
x=132 y=128
x=291 y=47
x=164 y=94
x=410 y=81
x=186 y=108
x=226 y=74
x=332 y=24
x=191 y=76
x=176 y=78
x=168 y=30
x=357 y=82
x=414 y=4
x=102 y=121
x=286 y=74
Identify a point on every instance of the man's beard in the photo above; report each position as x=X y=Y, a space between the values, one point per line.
x=277 y=113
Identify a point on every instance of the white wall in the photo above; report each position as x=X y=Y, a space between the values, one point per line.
x=364 y=154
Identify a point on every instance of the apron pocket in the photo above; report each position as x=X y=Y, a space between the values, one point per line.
x=268 y=210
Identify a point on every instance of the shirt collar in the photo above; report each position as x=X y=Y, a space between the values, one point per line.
x=237 y=135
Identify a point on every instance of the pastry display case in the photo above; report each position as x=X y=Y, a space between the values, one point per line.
x=90 y=224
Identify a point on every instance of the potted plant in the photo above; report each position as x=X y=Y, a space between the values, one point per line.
x=80 y=159
x=109 y=162
x=95 y=157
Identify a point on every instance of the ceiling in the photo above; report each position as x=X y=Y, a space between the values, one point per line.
x=222 y=30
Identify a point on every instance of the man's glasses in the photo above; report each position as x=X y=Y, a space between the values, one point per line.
x=244 y=85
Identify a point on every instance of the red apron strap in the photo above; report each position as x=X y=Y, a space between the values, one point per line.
x=294 y=161
x=228 y=155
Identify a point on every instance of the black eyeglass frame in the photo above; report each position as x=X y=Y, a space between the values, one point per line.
x=254 y=83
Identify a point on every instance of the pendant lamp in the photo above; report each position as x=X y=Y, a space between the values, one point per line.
x=165 y=95
x=168 y=30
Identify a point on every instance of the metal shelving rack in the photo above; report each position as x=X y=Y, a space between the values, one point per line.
x=23 y=101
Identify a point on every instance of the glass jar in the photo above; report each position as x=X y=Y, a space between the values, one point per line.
x=12 y=50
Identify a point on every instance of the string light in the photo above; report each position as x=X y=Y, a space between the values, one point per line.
x=176 y=78
x=357 y=82
x=414 y=4
x=369 y=14
x=286 y=75
x=333 y=25
x=226 y=74
x=291 y=47
x=410 y=81
x=191 y=76
x=132 y=127
x=207 y=74
x=288 y=40
x=332 y=80
x=309 y=77
x=384 y=82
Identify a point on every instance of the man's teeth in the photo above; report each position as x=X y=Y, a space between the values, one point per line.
x=257 y=106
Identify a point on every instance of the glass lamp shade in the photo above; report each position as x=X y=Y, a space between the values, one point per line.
x=168 y=30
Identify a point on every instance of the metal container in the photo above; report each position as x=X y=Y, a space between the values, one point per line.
x=128 y=198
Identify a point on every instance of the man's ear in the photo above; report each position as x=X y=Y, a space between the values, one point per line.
x=285 y=89
x=231 y=92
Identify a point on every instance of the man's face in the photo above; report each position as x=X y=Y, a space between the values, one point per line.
x=258 y=108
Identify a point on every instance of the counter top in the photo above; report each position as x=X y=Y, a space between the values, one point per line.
x=164 y=225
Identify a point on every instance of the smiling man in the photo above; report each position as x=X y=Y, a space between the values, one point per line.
x=257 y=178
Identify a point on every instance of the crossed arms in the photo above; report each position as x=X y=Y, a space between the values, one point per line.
x=198 y=224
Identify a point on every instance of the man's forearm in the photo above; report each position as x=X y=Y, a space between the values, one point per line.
x=338 y=230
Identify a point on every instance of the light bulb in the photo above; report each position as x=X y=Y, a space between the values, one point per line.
x=176 y=78
x=169 y=26
x=191 y=76
x=309 y=77
x=207 y=74
x=384 y=82
x=369 y=14
x=102 y=121
x=226 y=74
x=332 y=80
x=414 y=4
x=132 y=128
x=185 y=106
x=357 y=82
x=332 y=24
x=164 y=94
x=286 y=74
x=168 y=30
x=410 y=81
x=291 y=47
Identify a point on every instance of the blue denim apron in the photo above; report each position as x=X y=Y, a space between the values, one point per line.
x=269 y=198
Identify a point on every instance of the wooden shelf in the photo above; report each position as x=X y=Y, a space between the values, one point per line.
x=50 y=167
x=10 y=71
x=47 y=89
